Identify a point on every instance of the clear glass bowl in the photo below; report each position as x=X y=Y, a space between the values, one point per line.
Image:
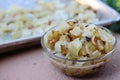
x=69 y=68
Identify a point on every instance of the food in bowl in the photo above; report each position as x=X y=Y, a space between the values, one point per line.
x=19 y=22
x=78 y=48
x=74 y=40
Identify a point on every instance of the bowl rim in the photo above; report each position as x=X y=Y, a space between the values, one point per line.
x=52 y=55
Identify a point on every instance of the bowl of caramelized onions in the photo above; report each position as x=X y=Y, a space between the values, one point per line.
x=78 y=49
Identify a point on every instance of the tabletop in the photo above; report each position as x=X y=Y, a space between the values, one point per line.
x=32 y=64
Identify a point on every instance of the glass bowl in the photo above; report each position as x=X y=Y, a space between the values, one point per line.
x=69 y=67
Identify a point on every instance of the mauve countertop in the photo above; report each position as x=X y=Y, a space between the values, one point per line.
x=32 y=64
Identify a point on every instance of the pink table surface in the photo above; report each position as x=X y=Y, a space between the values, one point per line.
x=32 y=64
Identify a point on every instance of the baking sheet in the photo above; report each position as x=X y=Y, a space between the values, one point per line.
x=107 y=15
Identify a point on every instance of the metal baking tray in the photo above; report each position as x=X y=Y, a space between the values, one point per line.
x=106 y=13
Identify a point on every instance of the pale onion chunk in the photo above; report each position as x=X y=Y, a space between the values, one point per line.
x=89 y=47
x=107 y=37
x=58 y=46
x=63 y=26
x=100 y=44
x=74 y=47
x=76 y=31
x=93 y=40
